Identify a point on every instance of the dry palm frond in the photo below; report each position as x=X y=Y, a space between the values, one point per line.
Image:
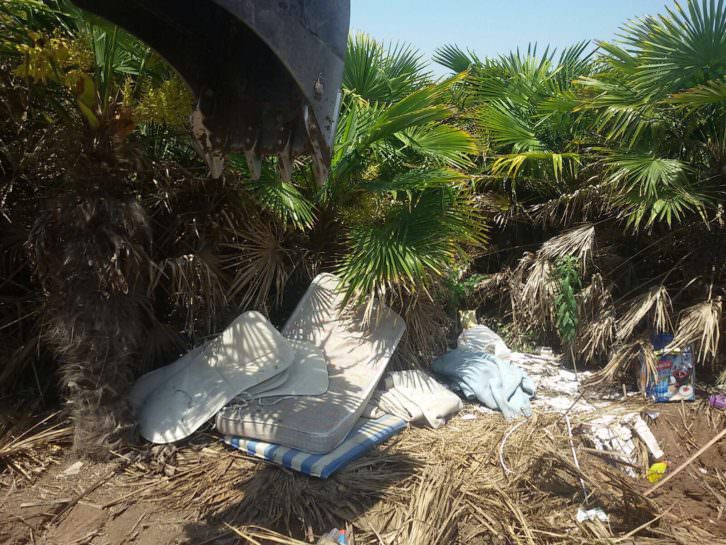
x=597 y=338
x=537 y=297
x=623 y=358
x=259 y=262
x=31 y=451
x=594 y=299
x=435 y=510
x=254 y=535
x=597 y=317
x=578 y=242
x=423 y=487
x=195 y=283
x=427 y=329
x=655 y=302
x=493 y=288
x=700 y=324
x=587 y=203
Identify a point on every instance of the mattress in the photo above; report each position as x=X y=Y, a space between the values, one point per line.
x=365 y=435
x=357 y=355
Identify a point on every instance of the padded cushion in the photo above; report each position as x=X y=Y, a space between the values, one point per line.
x=357 y=357
x=248 y=352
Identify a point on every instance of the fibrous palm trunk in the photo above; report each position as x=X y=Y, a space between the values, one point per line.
x=89 y=254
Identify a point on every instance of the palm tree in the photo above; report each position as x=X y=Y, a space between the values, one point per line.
x=660 y=95
x=396 y=213
x=520 y=103
x=630 y=139
x=89 y=243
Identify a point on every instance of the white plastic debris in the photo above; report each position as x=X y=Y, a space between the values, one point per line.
x=608 y=434
x=643 y=431
x=595 y=513
x=73 y=469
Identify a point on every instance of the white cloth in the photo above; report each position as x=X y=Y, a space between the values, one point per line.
x=482 y=339
x=416 y=397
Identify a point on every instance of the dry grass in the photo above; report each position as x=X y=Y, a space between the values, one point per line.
x=424 y=487
x=481 y=481
x=28 y=451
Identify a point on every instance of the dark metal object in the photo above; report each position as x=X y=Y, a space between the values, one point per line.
x=266 y=73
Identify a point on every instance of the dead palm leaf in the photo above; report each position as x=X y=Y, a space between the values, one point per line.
x=655 y=302
x=622 y=360
x=538 y=294
x=578 y=242
x=260 y=264
x=700 y=325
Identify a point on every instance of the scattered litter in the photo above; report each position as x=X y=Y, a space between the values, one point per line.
x=469 y=416
x=610 y=434
x=596 y=513
x=718 y=437
x=545 y=351
x=73 y=469
x=717 y=401
x=675 y=378
x=643 y=431
x=656 y=472
x=334 y=537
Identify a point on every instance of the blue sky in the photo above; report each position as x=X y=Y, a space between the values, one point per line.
x=491 y=27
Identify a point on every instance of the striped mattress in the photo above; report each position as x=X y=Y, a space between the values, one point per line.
x=364 y=436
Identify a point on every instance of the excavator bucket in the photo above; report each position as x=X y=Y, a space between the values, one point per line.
x=266 y=73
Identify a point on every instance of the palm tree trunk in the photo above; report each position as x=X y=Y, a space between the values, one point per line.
x=89 y=254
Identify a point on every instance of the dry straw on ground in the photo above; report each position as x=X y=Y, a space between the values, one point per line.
x=478 y=481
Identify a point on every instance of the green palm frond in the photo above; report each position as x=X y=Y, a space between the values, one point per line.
x=681 y=49
x=708 y=94
x=654 y=189
x=543 y=161
x=455 y=59
x=441 y=144
x=382 y=75
x=284 y=201
x=417 y=180
x=409 y=245
x=507 y=127
x=364 y=126
x=675 y=58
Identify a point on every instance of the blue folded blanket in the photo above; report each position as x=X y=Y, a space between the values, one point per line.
x=496 y=383
x=366 y=435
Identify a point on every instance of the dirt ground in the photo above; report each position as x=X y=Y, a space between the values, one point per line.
x=698 y=494
x=113 y=503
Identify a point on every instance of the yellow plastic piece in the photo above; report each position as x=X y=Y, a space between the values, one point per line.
x=656 y=472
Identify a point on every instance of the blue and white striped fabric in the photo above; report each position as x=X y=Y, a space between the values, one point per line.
x=366 y=435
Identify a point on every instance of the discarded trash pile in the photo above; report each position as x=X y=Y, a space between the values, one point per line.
x=315 y=397
x=305 y=398
x=472 y=481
